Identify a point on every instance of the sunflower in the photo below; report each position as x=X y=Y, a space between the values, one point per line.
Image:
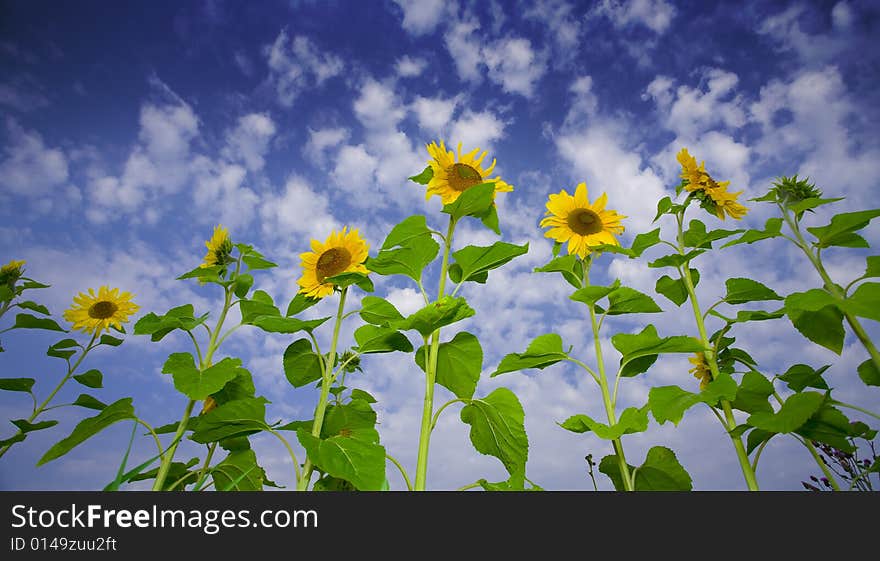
x=582 y=224
x=93 y=313
x=219 y=248
x=343 y=252
x=455 y=173
x=11 y=272
x=700 y=370
x=715 y=195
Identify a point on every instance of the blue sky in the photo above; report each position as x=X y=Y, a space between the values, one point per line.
x=130 y=130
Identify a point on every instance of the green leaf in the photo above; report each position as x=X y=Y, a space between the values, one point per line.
x=743 y=316
x=497 y=428
x=625 y=300
x=872 y=270
x=17 y=384
x=840 y=230
x=425 y=177
x=823 y=327
x=830 y=426
x=664 y=205
x=490 y=219
x=676 y=259
x=353 y=420
x=610 y=466
x=756 y=438
x=376 y=339
x=379 y=311
x=87 y=428
x=110 y=340
x=241 y=417
x=299 y=303
x=361 y=280
x=632 y=420
x=17 y=437
x=802 y=376
x=242 y=285
x=638 y=366
x=569 y=266
x=475 y=201
x=459 y=363
x=410 y=260
x=328 y=483
x=302 y=365
x=445 y=311
x=239 y=471
x=662 y=472
x=674 y=289
x=29 y=284
x=644 y=241
x=811 y=203
x=697 y=236
x=33 y=306
x=254 y=263
x=753 y=393
x=196 y=384
x=362 y=395
x=278 y=324
x=590 y=295
x=794 y=412
x=722 y=387
x=412 y=228
x=356 y=461
x=260 y=304
x=58 y=350
x=158 y=327
x=27 y=321
x=865 y=301
x=515 y=482
x=772 y=229
x=26 y=426
x=204 y=274
x=473 y=263
x=647 y=342
x=91 y=379
x=543 y=351
x=868 y=373
x=742 y=290
x=669 y=403
x=89 y=402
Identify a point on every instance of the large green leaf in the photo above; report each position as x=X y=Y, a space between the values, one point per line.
x=379 y=311
x=475 y=201
x=445 y=311
x=17 y=384
x=802 y=376
x=409 y=260
x=868 y=373
x=241 y=417
x=27 y=321
x=590 y=295
x=343 y=280
x=640 y=243
x=459 y=363
x=840 y=231
x=473 y=263
x=89 y=402
x=92 y=378
x=823 y=327
x=26 y=426
x=60 y=349
x=872 y=268
x=829 y=426
x=742 y=290
x=242 y=285
x=424 y=177
x=661 y=471
x=676 y=259
x=302 y=365
x=277 y=324
x=791 y=416
x=158 y=327
x=411 y=228
x=610 y=466
x=632 y=420
x=254 y=262
x=753 y=393
x=356 y=461
x=299 y=303
x=571 y=268
x=239 y=471
x=205 y=274
x=87 y=428
x=811 y=203
x=865 y=301
x=772 y=229
x=376 y=339
x=697 y=236
x=543 y=351
x=675 y=289
x=625 y=300
x=669 y=403
x=259 y=304
x=34 y=307
x=355 y=419
x=196 y=384
x=647 y=342
x=497 y=428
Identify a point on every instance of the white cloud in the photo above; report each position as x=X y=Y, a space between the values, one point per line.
x=29 y=167
x=656 y=15
x=514 y=65
x=435 y=114
x=421 y=16
x=377 y=107
x=354 y=169
x=563 y=27
x=220 y=193
x=321 y=140
x=407 y=66
x=465 y=49
x=298 y=210
x=249 y=141
x=23 y=93
x=297 y=64
x=476 y=129
x=785 y=30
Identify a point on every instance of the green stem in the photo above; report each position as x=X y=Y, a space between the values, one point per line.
x=466 y=487
x=402 y=471
x=444 y=406
x=857 y=408
x=833 y=482
x=284 y=441
x=326 y=382
x=203 y=473
x=730 y=420
x=169 y=453
x=431 y=373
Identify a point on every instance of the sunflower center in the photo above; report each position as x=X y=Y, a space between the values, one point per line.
x=102 y=310
x=584 y=221
x=332 y=262
x=462 y=177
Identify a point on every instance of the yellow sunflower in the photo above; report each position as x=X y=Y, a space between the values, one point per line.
x=11 y=272
x=342 y=252
x=219 y=248
x=700 y=370
x=721 y=202
x=455 y=173
x=582 y=224
x=93 y=313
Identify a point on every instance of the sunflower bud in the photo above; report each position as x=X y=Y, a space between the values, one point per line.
x=208 y=405
x=791 y=190
x=11 y=272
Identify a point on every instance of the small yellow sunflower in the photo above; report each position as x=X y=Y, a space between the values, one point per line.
x=342 y=252
x=93 y=313
x=700 y=370
x=11 y=272
x=219 y=248
x=722 y=203
x=582 y=224
x=455 y=173
x=726 y=203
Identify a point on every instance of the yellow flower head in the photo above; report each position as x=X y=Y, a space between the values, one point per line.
x=700 y=370
x=721 y=202
x=455 y=173
x=342 y=252
x=582 y=224
x=93 y=313
x=219 y=248
x=11 y=272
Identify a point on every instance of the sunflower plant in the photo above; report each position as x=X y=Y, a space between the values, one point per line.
x=588 y=229
x=467 y=190
x=13 y=284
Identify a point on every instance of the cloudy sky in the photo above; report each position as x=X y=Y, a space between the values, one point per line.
x=129 y=130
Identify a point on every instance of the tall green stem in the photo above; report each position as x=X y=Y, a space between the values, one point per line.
x=431 y=374
x=326 y=382
x=730 y=420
